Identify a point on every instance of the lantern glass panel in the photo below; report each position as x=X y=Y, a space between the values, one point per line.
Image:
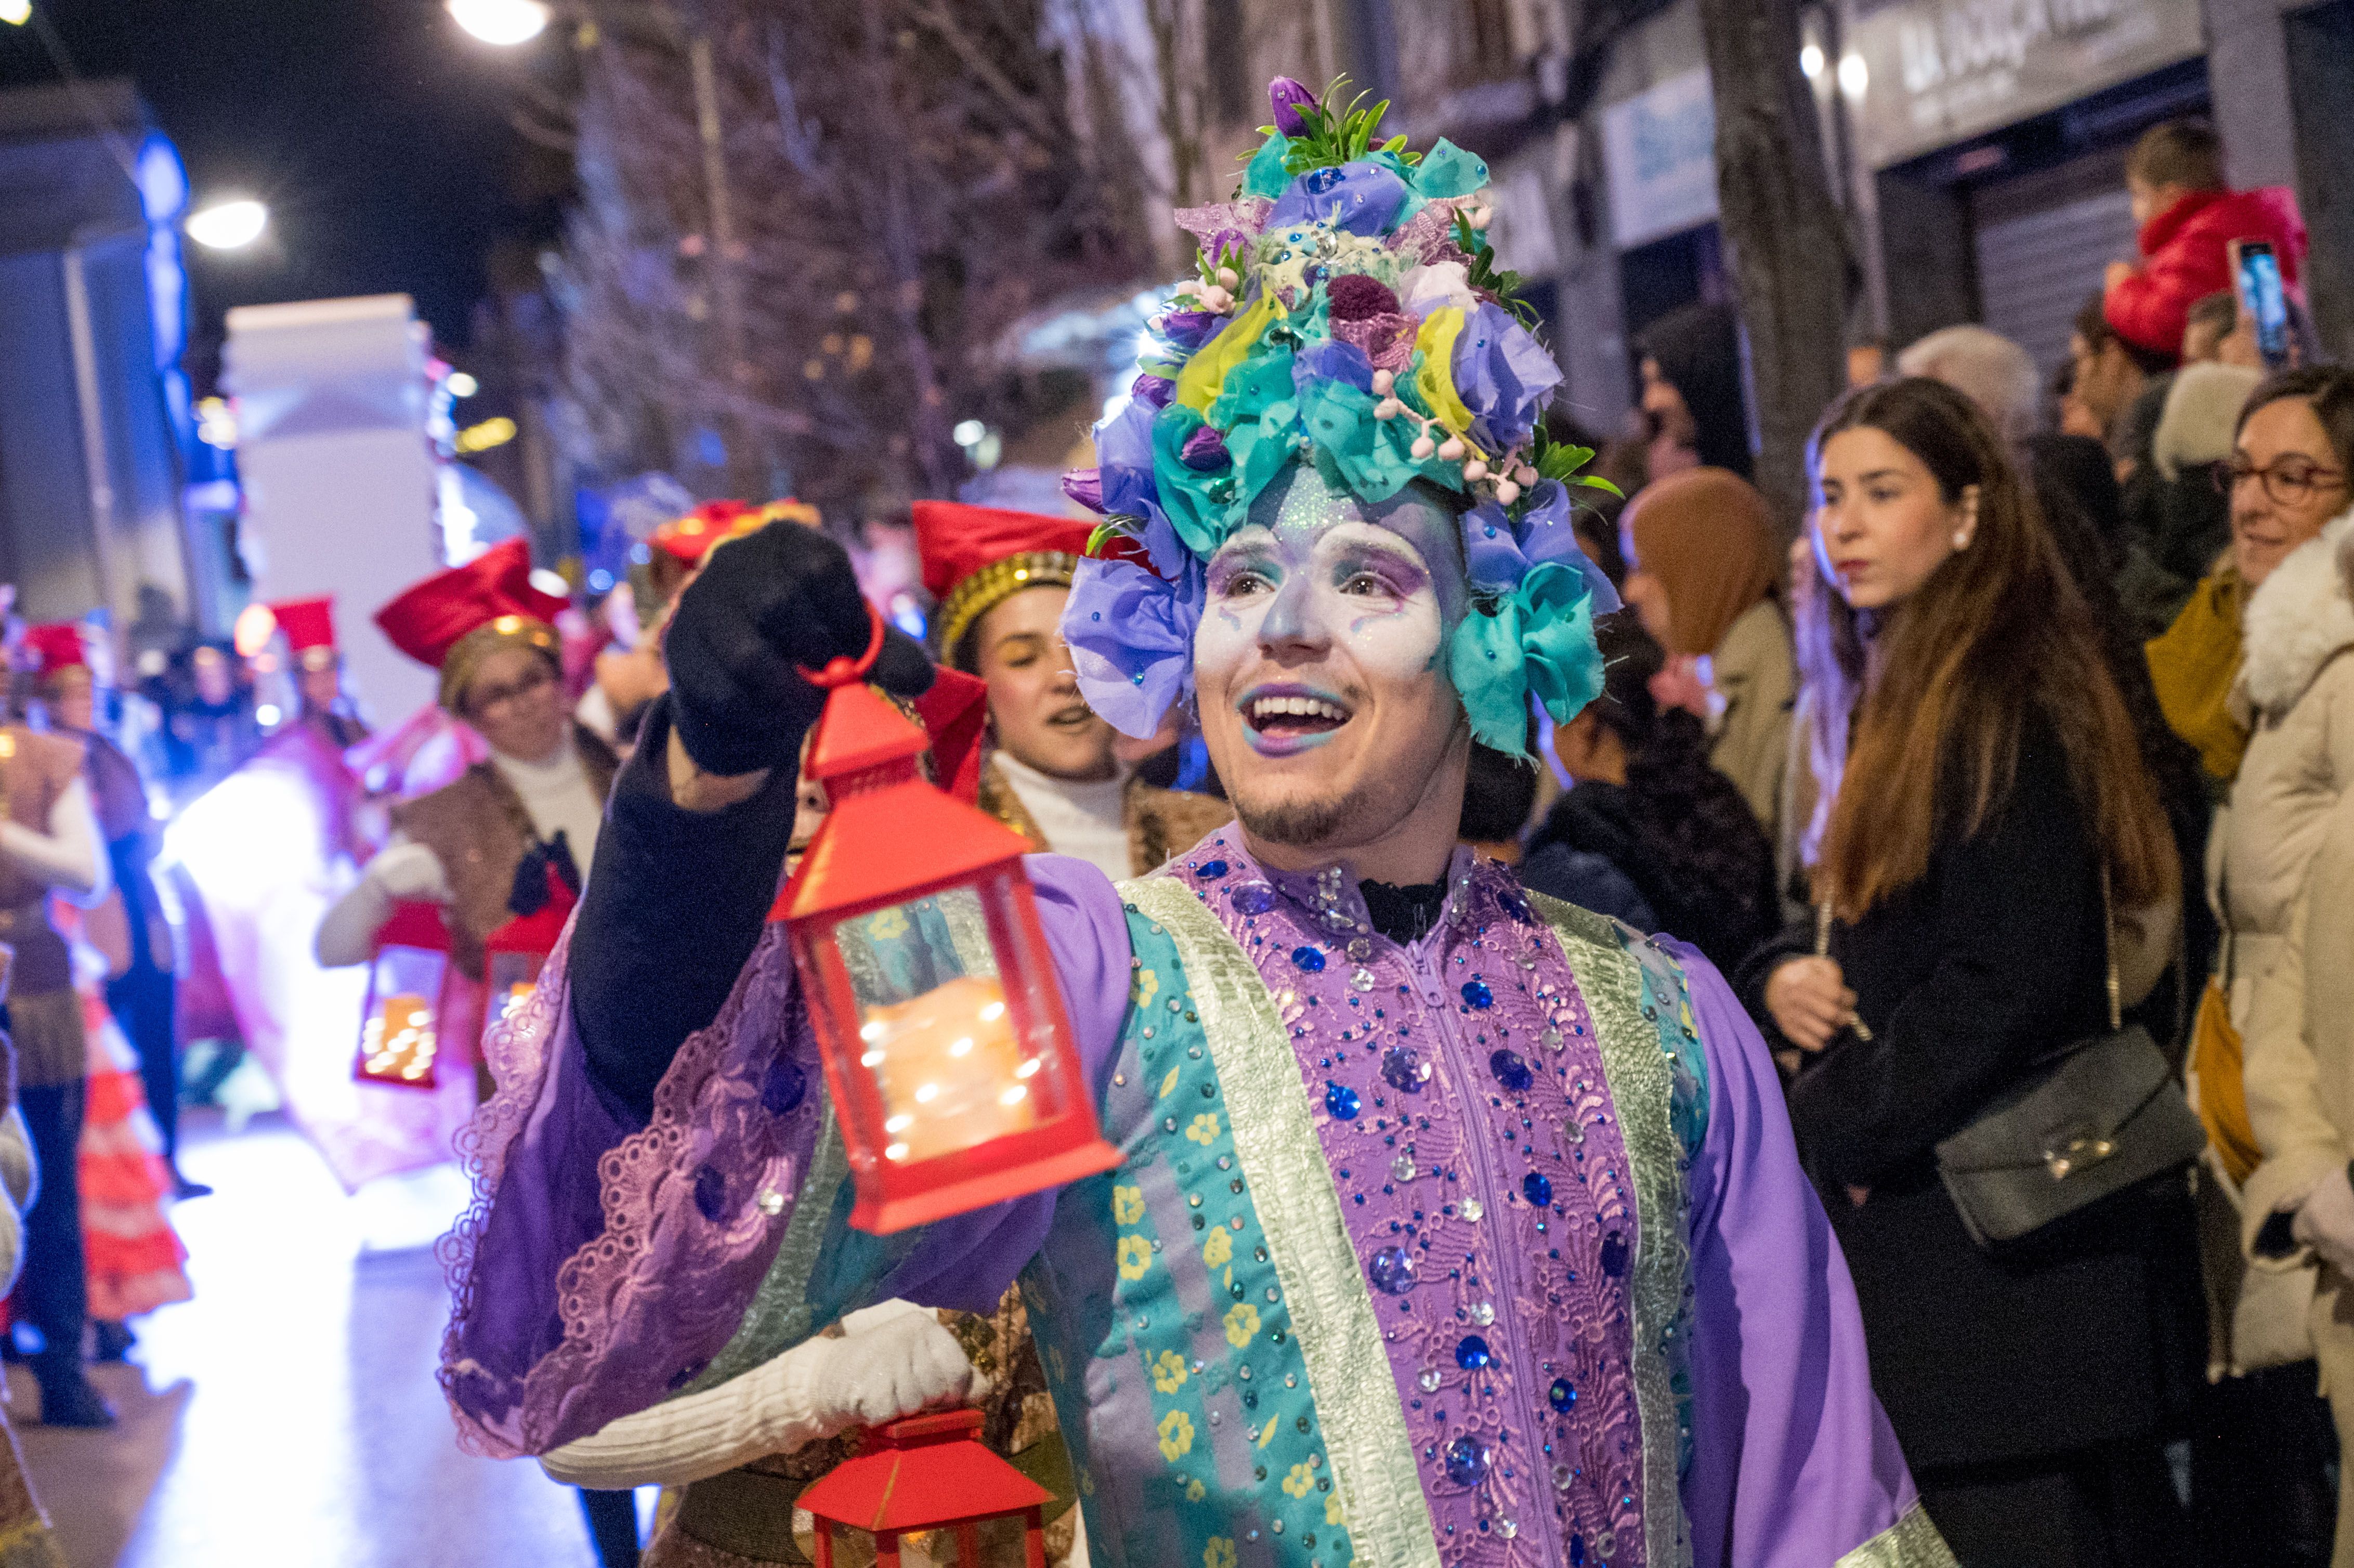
x=946 y=1047
x=513 y=979
x=401 y=1035
x=999 y=1542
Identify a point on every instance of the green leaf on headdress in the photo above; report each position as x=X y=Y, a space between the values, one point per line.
x=1333 y=136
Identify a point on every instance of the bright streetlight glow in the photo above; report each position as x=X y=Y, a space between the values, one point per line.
x=228 y=224
x=1810 y=61
x=1854 y=76
x=502 y=22
x=15 y=13
x=461 y=385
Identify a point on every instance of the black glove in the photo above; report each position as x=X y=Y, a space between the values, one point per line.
x=780 y=598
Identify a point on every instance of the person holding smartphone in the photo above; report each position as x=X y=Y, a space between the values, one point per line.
x=2190 y=218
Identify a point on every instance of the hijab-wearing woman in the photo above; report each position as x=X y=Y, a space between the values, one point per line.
x=1980 y=781
x=1702 y=563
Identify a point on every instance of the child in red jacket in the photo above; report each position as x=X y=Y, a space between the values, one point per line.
x=2189 y=217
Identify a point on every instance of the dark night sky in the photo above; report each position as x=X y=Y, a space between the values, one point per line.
x=377 y=133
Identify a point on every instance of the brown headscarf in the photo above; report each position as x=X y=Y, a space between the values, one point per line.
x=1707 y=535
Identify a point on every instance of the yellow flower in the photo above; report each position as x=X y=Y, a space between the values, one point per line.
x=1242 y=1322
x=1169 y=1371
x=1128 y=1205
x=1218 y=1249
x=1219 y=1553
x=1148 y=985
x=1332 y=1508
x=1196 y=1491
x=1205 y=1130
x=1176 y=1435
x=1135 y=1257
x=891 y=923
x=1300 y=1481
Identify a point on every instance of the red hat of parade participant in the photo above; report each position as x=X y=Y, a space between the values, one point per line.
x=455 y=619
x=56 y=645
x=976 y=557
x=310 y=628
x=688 y=539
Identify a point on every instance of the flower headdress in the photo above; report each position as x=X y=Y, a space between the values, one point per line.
x=1348 y=305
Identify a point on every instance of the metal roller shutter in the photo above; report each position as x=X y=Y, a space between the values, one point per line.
x=2041 y=241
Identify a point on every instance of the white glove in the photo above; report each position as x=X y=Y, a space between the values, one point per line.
x=2324 y=1222
x=409 y=872
x=892 y=1361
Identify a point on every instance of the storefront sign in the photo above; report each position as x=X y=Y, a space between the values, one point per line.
x=1941 y=71
x=1660 y=149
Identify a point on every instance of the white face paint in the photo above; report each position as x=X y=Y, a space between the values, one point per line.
x=1321 y=663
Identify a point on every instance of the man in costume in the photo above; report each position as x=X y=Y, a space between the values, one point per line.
x=1451 y=1225
x=1000 y=580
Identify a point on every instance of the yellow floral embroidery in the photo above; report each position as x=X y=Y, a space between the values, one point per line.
x=1128 y=1205
x=1196 y=1491
x=1176 y=1435
x=889 y=924
x=1135 y=1257
x=1332 y=1508
x=1300 y=1481
x=1242 y=1322
x=1205 y=1130
x=1169 y=1371
x=1217 y=1250
x=1148 y=985
x=1219 y=1553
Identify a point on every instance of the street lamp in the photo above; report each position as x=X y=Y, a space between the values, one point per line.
x=502 y=22
x=229 y=225
x=15 y=13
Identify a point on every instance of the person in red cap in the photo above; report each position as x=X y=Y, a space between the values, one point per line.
x=1000 y=579
x=541 y=795
x=50 y=843
x=310 y=628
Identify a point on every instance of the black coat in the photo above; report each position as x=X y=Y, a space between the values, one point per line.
x=1964 y=979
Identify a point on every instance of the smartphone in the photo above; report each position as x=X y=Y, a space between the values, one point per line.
x=2257 y=276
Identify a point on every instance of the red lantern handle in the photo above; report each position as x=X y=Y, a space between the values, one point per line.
x=840 y=670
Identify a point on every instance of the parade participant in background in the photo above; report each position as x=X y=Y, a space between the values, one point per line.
x=540 y=797
x=25 y=1541
x=208 y=727
x=50 y=843
x=1618 y=1329
x=327 y=710
x=1000 y=580
x=140 y=990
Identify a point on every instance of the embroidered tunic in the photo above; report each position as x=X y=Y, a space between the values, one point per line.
x=1490 y=1249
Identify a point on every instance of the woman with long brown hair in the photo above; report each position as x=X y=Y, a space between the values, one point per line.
x=1979 y=782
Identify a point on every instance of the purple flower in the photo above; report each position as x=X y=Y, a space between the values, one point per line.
x=1153 y=391
x=1205 y=451
x=1225 y=240
x=1355 y=297
x=1187 y=330
x=1084 y=485
x=1131 y=633
x=1292 y=102
x=1387 y=340
x=1503 y=375
x=1498 y=551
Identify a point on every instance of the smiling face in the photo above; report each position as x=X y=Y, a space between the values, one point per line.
x=1322 y=670
x=1033 y=697
x=2308 y=486
x=1882 y=525
x=516 y=699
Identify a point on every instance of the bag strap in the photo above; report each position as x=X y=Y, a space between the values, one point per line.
x=1823 y=951
x=2109 y=951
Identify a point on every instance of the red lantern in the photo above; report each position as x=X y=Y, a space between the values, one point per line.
x=929 y=1495
x=513 y=954
x=952 y=1066
x=408 y=997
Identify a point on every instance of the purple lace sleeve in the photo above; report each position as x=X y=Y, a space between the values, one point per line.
x=1793 y=1461
x=603 y=1264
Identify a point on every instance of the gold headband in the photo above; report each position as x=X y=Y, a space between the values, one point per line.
x=466 y=655
x=992 y=585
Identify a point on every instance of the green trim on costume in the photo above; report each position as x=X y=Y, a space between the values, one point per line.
x=1354 y=1388
x=1637 y=1061
x=1911 y=1542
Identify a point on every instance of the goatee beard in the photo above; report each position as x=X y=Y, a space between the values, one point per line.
x=1304 y=825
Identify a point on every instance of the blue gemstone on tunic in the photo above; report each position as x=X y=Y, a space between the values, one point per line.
x=1253 y=897
x=1211 y=870
x=1471 y=1352
x=1392 y=1270
x=710 y=1193
x=1515 y=903
x=1613 y=1254
x=1310 y=960
x=1560 y=1397
x=1403 y=1069
x=1476 y=994
x=784 y=1086
x=1577 y=1551
x=1342 y=1101
x=1511 y=1071
x=1537 y=1188
x=1469 y=1460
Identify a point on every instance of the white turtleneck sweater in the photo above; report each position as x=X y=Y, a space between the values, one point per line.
x=555 y=794
x=1083 y=819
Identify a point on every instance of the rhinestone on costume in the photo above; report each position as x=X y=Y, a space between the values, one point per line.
x=1360 y=950
x=1605 y=1541
x=1577 y=1551
x=1553 y=1039
x=772 y=1203
x=1392 y=1271
x=1537 y=1188
x=1469 y=1460
x=1476 y=994
x=1471 y=1352
x=1342 y=1101
x=1472 y=1209
x=1482 y=1312
x=1253 y=897
x=1560 y=1396
x=1402 y=1167
x=1363 y=980
x=1308 y=959
x=1514 y=902
x=1562 y=1476
x=1211 y=870
x=1430 y=1379
x=1510 y=1070
x=1613 y=1254
x=783 y=1088
x=1403 y=1069
x=1574 y=1129
x=1507 y=1527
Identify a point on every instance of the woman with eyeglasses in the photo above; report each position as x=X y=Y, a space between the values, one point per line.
x=2278 y=1021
